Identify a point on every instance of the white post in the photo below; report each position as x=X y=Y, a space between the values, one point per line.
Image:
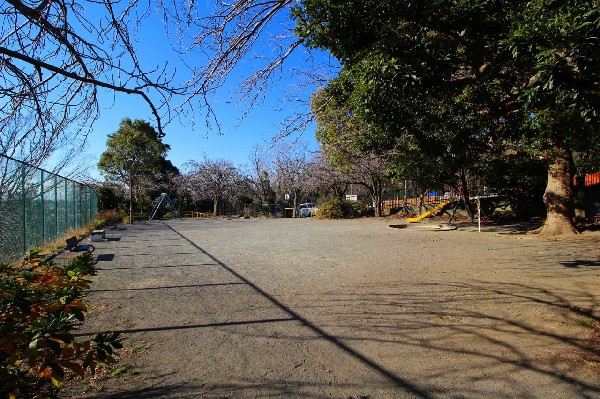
x=479 y=213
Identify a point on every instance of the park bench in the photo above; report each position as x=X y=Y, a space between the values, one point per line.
x=74 y=245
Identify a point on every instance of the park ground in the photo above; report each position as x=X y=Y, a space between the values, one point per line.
x=305 y=308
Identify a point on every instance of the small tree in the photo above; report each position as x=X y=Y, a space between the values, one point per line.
x=217 y=180
x=260 y=176
x=43 y=305
x=341 y=137
x=291 y=165
x=133 y=151
x=325 y=180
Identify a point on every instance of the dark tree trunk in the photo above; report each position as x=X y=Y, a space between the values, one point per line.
x=464 y=192
x=579 y=198
x=558 y=195
x=376 y=188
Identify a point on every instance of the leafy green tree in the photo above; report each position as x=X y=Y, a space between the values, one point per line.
x=134 y=151
x=556 y=47
x=110 y=196
x=520 y=178
x=164 y=179
x=486 y=71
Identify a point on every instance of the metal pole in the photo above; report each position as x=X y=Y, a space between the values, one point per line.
x=74 y=206
x=42 y=210
x=129 y=163
x=130 y=198
x=66 y=185
x=479 y=213
x=56 y=233
x=23 y=220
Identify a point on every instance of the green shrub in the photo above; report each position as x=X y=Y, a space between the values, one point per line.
x=354 y=209
x=40 y=304
x=336 y=208
x=330 y=209
x=110 y=217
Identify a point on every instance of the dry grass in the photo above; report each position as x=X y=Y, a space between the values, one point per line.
x=59 y=243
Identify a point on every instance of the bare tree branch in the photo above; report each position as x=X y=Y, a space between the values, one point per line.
x=251 y=40
x=56 y=55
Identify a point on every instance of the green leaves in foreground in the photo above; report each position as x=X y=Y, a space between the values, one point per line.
x=41 y=303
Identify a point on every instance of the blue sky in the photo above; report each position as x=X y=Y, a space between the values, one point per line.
x=193 y=142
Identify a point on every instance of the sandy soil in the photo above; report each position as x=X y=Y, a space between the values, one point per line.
x=216 y=308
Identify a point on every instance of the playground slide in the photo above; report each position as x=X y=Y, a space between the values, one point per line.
x=430 y=212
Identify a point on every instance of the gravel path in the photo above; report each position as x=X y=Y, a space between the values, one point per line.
x=302 y=308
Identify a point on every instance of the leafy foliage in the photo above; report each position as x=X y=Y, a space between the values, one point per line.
x=135 y=158
x=354 y=209
x=455 y=78
x=521 y=179
x=40 y=304
x=331 y=209
x=110 y=217
x=336 y=208
x=134 y=149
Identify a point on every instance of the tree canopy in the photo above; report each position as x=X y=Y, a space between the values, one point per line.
x=218 y=180
x=134 y=150
x=480 y=71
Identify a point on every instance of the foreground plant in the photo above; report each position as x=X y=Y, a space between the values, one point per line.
x=41 y=303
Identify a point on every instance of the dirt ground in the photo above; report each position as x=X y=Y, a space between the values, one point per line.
x=304 y=308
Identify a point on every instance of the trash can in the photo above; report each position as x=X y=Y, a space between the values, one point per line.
x=97 y=235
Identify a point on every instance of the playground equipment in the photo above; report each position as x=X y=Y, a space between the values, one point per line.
x=431 y=211
x=456 y=205
x=163 y=199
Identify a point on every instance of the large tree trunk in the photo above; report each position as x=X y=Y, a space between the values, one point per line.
x=464 y=192
x=375 y=189
x=558 y=195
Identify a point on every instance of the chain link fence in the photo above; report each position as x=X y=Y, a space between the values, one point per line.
x=37 y=206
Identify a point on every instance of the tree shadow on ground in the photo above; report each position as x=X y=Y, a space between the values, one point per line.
x=575 y=264
x=406 y=385
x=455 y=321
x=443 y=324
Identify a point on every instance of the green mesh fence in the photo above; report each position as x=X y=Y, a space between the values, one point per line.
x=37 y=206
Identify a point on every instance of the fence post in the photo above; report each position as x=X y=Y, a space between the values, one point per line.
x=66 y=186
x=42 y=213
x=23 y=232
x=74 y=205
x=22 y=227
x=56 y=206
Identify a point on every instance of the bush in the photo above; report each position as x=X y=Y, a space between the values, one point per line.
x=336 y=208
x=354 y=209
x=110 y=217
x=521 y=179
x=331 y=209
x=40 y=304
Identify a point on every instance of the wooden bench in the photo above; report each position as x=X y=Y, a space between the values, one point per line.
x=75 y=246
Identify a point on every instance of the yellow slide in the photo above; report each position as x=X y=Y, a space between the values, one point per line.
x=430 y=212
